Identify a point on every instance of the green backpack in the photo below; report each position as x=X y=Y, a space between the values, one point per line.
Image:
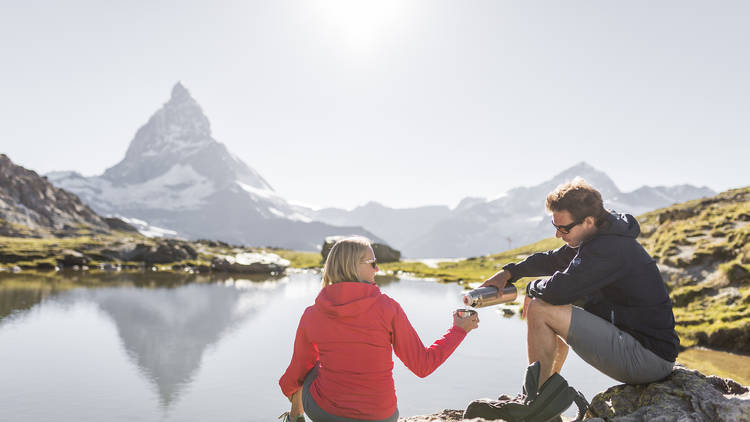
x=536 y=404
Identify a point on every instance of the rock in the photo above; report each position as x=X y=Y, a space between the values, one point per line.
x=507 y=312
x=446 y=415
x=383 y=253
x=264 y=263
x=72 y=257
x=163 y=252
x=115 y=223
x=109 y=267
x=686 y=395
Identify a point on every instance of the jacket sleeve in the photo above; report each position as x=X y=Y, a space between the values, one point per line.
x=303 y=359
x=409 y=347
x=595 y=266
x=541 y=263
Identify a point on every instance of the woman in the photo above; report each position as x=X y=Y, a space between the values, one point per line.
x=342 y=366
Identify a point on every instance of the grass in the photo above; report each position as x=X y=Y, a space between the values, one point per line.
x=472 y=269
x=298 y=259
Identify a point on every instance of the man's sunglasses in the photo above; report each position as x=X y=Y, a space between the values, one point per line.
x=566 y=228
x=372 y=262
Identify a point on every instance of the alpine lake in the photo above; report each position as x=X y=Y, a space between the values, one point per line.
x=166 y=346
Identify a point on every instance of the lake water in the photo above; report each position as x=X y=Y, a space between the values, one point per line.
x=164 y=347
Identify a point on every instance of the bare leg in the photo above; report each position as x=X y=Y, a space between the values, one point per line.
x=546 y=322
x=562 y=353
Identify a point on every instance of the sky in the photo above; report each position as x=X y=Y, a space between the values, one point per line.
x=407 y=103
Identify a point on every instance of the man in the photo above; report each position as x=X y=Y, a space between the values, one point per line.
x=626 y=326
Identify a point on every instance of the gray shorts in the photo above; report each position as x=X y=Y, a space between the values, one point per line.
x=613 y=351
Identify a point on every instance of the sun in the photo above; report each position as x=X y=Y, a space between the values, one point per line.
x=361 y=24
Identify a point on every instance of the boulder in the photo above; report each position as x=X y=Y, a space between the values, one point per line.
x=686 y=395
x=445 y=415
x=163 y=252
x=71 y=258
x=255 y=263
x=383 y=253
x=115 y=223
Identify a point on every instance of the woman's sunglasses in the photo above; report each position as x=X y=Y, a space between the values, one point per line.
x=566 y=228
x=372 y=262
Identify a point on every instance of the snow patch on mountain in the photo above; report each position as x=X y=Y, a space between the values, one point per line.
x=147 y=229
x=180 y=188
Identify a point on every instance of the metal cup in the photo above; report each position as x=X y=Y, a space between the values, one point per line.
x=465 y=313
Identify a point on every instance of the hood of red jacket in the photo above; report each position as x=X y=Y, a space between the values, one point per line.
x=347 y=298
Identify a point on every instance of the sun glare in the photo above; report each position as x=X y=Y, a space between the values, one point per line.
x=361 y=24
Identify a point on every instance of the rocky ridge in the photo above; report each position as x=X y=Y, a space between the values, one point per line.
x=31 y=206
x=703 y=251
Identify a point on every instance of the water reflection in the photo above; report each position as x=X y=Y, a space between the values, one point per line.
x=167 y=330
x=165 y=322
x=19 y=299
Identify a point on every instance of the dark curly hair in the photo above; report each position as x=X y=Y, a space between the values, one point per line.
x=580 y=199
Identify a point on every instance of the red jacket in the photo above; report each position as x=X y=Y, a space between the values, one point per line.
x=352 y=329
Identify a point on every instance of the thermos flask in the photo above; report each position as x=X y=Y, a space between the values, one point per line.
x=486 y=296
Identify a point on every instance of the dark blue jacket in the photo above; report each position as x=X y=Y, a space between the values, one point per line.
x=618 y=279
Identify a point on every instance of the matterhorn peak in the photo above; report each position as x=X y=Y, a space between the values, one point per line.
x=180 y=94
x=177 y=133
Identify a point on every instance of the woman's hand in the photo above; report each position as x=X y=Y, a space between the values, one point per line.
x=297 y=409
x=468 y=323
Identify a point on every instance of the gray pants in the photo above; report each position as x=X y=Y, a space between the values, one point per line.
x=316 y=414
x=613 y=351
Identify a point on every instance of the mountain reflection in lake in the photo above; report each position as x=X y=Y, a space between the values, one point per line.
x=171 y=347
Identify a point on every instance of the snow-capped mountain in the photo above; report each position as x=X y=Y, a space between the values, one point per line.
x=176 y=177
x=480 y=226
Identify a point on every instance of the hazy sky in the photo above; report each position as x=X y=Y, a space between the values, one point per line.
x=401 y=102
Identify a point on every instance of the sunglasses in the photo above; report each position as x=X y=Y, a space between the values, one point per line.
x=372 y=262
x=566 y=228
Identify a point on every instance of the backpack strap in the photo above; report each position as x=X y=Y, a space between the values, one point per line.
x=531 y=382
x=582 y=405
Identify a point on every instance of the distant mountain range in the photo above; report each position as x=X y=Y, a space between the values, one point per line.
x=176 y=177
x=177 y=180
x=479 y=226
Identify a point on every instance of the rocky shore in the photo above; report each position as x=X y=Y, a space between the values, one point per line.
x=131 y=251
x=686 y=395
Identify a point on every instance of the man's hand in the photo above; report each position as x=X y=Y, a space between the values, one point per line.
x=499 y=280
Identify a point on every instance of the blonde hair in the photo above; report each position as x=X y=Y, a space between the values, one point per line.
x=343 y=259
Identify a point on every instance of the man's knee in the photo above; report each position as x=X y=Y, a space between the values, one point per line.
x=538 y=308
x=556 y=316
